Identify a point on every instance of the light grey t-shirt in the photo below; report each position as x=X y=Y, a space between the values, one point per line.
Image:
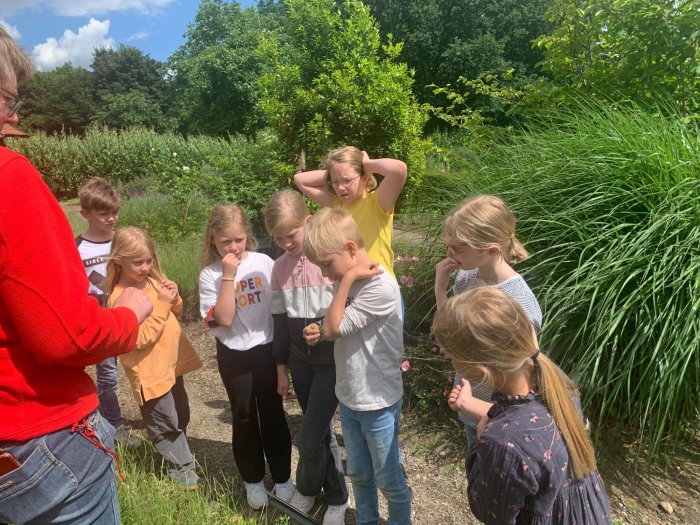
x=369 y=351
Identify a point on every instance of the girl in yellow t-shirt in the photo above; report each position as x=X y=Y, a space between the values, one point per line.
x=346 y=179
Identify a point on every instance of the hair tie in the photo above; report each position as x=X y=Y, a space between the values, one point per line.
x=535 y=355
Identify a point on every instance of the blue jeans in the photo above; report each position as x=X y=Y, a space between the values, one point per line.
x=107 y=378
x=372 y=445
x=64 y=478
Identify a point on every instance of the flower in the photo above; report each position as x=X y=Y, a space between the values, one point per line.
x=446 y=392
x=407 y=280
x=405 y=366
x=185 y=169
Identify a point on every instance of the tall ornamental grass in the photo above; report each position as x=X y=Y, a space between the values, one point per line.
x=608 y=202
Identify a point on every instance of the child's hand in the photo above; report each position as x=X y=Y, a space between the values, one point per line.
x=364 y=270
x=230 y=264
x=312 y=334
x=365 y=160
x=167 y=294
x=460 y=396
x=283 y=382
x=443 y=270
x=170 y=285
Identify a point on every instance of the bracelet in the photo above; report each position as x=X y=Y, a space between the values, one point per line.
x=228 y=278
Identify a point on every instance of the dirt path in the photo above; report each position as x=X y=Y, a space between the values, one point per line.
x=437 y=480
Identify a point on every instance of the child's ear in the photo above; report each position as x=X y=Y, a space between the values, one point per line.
x=351 y=247
x=84 y=213
x=494 y=250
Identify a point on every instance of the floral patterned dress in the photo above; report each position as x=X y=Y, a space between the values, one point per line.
x=519 y=470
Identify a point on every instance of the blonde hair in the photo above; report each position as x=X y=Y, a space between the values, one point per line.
x=347 y=155
x=327 y=232
x=15 y=64
x=96 y=194
x=484 y=327
x=482 y=222
x=222 y=216
x=285 y=210
x=131 y=242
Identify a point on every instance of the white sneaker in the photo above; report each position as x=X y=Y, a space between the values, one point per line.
x=301 y=502
x=256 y=495
x=285 y=491
x=335 y=514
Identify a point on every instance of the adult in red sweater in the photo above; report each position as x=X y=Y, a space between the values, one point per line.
x=55 y=464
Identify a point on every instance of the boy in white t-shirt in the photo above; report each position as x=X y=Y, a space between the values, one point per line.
x=99 y=205
x=365 y=321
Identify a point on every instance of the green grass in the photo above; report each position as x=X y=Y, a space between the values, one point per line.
x=608 y=202
x=149 y=496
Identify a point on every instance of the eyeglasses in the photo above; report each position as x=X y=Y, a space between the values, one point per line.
x=13 y=101
x=343 y=183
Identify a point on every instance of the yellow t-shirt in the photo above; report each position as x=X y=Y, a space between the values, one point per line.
x=376 y=227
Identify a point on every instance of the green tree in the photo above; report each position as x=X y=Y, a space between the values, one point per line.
x=217 y=68
x=332 y=83
x=643 y=50
x=58 y=100
x=133 y=108
x=126 y=82
x=448 y=39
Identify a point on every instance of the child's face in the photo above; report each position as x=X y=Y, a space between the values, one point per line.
x=291 y=240
x=335 y=265
x=469 y=258
x=136 y=269
x=231 y=239
x=347 y=183
x=103 y=220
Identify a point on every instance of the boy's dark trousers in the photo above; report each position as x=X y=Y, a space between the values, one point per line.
x=259 y=424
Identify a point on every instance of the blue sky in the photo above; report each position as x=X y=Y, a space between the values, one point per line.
x=57 y=31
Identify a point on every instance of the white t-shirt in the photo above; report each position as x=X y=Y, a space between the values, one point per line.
x=252 y=325
x=369 y=351
x=94 y=256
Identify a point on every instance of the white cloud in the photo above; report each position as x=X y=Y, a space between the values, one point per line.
x=83 y=7
x=139 y=36
x=74 y=48
x=11 y=30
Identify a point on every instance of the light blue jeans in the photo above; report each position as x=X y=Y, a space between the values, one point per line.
x=107 y=375
x=63 y=478
x=372 y=446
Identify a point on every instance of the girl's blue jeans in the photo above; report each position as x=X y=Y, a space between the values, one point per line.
x=372 y=446
x=63 y=478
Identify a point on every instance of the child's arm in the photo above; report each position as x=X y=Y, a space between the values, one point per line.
x=177 y=306
x=225 y=309
x=462 y=400
x=499 y=481
x=443 y=270
x=331 y=323
x=394 y=173
x=313 y=185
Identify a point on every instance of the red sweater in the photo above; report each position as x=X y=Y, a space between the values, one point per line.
x=50 y=329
